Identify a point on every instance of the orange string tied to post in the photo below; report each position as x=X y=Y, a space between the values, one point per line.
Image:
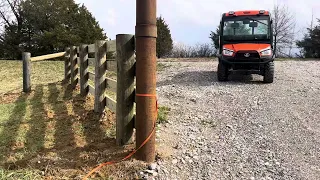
x=134 y=151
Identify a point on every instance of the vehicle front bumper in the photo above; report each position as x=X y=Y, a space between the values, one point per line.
x=252 y=61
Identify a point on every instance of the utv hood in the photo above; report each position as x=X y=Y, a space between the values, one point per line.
x=246 y=47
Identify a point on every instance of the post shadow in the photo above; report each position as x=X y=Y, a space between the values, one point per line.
x=35 y=137
x=11 y=128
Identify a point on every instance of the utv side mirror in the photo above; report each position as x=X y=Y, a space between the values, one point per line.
x=253 y=24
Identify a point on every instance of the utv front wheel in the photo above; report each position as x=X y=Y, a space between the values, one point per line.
x=269 y=73
x=222 y=72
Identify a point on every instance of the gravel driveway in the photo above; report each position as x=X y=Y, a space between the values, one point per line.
x=241 y=129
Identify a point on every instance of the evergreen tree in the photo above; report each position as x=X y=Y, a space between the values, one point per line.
x=214 y=36
x=311 y=42
x=49 y=26
x=164 y=39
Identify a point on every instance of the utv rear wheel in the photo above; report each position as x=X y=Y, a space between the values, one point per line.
x=269 y=73
x=222 y=72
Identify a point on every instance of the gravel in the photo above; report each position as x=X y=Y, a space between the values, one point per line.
x=240 y=129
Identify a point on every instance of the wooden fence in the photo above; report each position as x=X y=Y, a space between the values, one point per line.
x=77 y=63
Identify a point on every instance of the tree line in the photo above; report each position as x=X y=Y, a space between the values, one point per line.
x=284 y=31
x=48 y=26
x=44 y=27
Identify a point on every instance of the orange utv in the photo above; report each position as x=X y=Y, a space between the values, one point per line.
x=246 y=44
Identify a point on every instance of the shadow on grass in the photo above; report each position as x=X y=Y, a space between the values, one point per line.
x=65 y=137
x=9 y=136
x=35 y=137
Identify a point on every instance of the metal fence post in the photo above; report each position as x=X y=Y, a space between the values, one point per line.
x=146 y=36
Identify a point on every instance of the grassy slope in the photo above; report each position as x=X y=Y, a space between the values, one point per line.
x=42 y=73
x=53 y=132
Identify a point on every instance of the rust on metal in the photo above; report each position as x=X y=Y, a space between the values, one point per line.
x=146 y=30
x=146 y=33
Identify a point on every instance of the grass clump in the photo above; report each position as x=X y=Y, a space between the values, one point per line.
x=163 y=114
x=162 y=66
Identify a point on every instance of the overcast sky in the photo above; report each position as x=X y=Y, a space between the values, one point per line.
x=190 y=21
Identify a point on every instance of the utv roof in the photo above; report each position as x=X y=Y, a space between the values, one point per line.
x=247 y=12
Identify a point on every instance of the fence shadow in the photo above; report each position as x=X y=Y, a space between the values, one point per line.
x=207 y=78
x=11 y=130
x=67 y=138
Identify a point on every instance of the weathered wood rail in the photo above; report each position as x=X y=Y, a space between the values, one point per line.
x=77 y=63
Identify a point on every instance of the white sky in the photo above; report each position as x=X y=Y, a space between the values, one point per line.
x=190 y=21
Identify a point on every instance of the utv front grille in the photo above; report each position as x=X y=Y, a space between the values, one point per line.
x=249 y=55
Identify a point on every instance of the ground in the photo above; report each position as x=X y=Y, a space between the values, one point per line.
x=240 y=129
x=53 y=132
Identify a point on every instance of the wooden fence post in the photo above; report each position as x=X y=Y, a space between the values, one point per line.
x=125 y=88
x=67 y=66
x=84 y=64
x=74 y=69
x=100 y=75
x=26 y=58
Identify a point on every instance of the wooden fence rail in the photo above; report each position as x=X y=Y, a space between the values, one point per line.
x=123 y=65
x=76 y=65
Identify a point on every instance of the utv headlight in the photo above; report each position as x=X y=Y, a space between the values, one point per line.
x=266 y=52
x=227 y=52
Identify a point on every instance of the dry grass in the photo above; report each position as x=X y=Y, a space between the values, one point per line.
x=42 y=73
x=53 y=133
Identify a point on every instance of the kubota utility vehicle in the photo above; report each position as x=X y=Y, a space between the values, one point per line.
x=245 y=44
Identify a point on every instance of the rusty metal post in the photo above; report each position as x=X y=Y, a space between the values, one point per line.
x=146 y=34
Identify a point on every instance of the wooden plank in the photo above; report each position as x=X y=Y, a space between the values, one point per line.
x=83 y=70
x=110 y=103
x=91 y=76
x=125 y=88
x=92 y=61
x=111 y=46
x=91 y=48
x=74 y=67
x=26 y=72
x=111 y=66
x=48 y=56
x=91 y=90
x=100 y=70
x=67 y=66
x=111 y=85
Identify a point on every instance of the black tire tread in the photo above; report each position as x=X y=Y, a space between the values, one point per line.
x=222 y=72
x=269 y=73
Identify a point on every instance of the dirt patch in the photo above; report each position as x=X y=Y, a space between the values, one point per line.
x=8 y=98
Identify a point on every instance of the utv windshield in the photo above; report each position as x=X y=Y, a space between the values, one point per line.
x=246 y=28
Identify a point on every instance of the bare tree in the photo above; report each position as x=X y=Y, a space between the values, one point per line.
x=10 y=16
x=195 y=51
x=283 y=28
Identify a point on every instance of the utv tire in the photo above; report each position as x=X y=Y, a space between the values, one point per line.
x=222 y=72
x=269 y=73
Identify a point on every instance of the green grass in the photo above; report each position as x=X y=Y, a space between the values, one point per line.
x=41 y=73
x=162 y=66
x=163 y=114
x=53 y=132
x=20 y=174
